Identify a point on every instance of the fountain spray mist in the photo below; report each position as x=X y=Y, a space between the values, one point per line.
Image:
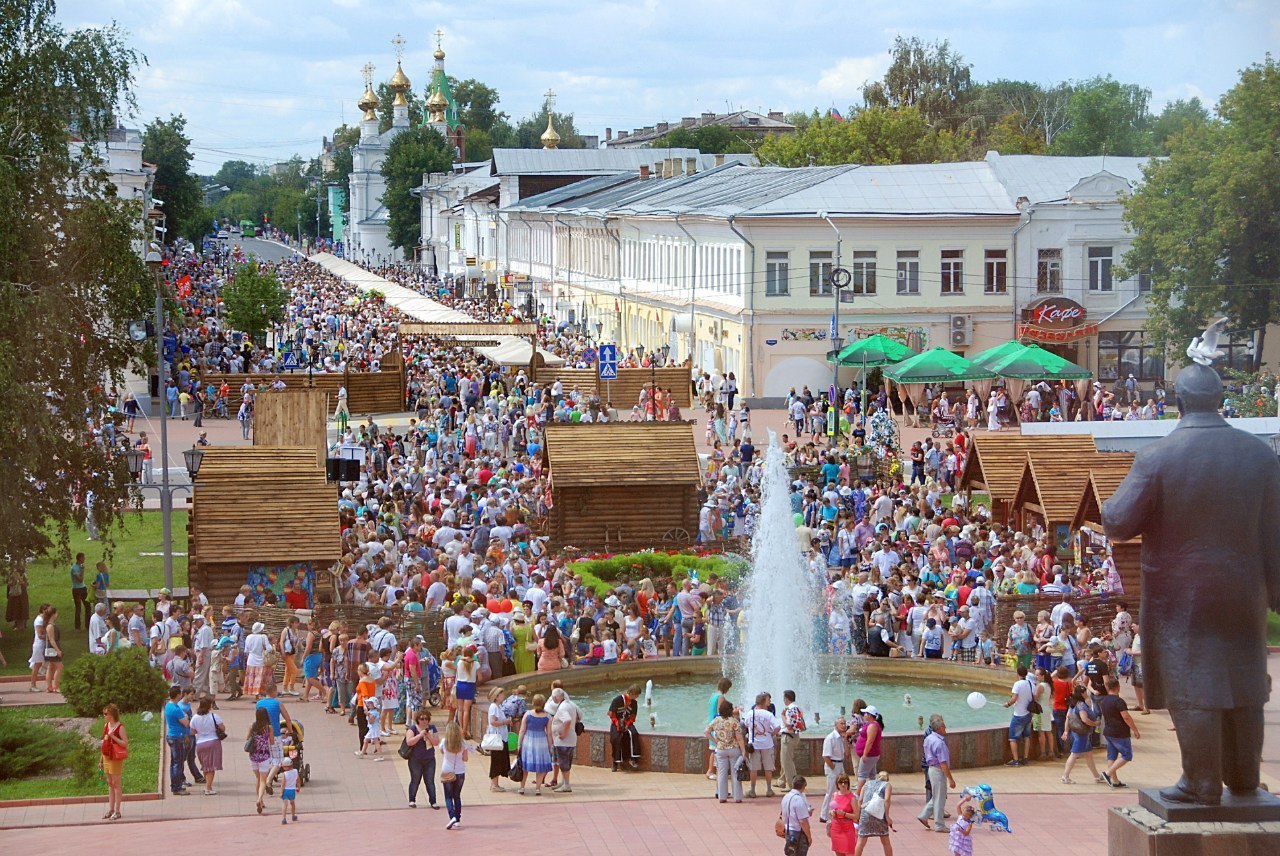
x=777 y=644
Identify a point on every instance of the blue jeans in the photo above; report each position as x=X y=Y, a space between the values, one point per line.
x=177 y=758
x=423 y=771
x=453 y=797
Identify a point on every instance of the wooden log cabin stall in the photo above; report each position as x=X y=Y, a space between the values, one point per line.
x=622 y=485
x=260 y=516
x=995 y=463
x=1049 y=493
x=1086 y=524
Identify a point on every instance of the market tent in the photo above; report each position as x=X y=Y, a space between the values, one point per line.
x=875 y=350
x=517 y=352
x=990 y=355
x=936 y=366
x=1032 y=362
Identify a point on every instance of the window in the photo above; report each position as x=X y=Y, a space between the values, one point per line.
x=908 y=272
x=819 y=274
x=1125 y=353
x=1100 y=259
x=1049 y=272
x=953 y=271
x=996 y=275
x=1144 y=282
x=864 y=272
x=777 y=268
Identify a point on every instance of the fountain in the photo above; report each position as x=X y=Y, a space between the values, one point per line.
x=777 y=650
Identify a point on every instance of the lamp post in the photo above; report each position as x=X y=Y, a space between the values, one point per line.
x=155 y=264
x=839 y=278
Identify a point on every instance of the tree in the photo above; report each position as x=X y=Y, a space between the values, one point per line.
x=166 y=144
x=1207 y=218
x=708 y=139
x=410 y=154
x=235 y=174
x=1106 y=117
x=254 y=299
x=927 y=76
x=801 y=119
x=528 y=134
x=70 y=277
x=1013 y=134
x=1039 y=111
x=344 y=137
x=1175 y=117
x=386 y=108
x=478 y=145
x=477 y=104
x=874 y=136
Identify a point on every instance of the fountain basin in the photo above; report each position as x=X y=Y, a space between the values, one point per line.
x=671 y=751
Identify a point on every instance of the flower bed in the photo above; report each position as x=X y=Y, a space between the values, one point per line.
x=601 y=571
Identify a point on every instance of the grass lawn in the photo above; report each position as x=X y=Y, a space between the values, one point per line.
x=139 y=770
x=1273 y=628
x=50 y=582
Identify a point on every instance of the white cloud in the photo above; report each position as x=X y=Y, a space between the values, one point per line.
x=844 y=80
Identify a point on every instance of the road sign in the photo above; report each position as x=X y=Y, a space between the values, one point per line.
x=608 y=362
x=290 y=362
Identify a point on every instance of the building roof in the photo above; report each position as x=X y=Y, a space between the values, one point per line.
x=1054 y=483
x=1105 y=475
x=745 y=120
x=996 y=461
x=1044 y=178
x=593 y=161
x=622 y=453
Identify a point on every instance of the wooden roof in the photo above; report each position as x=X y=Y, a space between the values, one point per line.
x=617 y=453
x=263 y=505
x=1101 y=484
x=1057 y=484
x=996 y=461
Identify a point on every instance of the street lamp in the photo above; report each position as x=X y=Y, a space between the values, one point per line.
x=155 y=264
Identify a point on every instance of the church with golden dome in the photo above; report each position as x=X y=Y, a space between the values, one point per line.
x=365 y=237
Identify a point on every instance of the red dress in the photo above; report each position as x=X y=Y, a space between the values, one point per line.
x=844 y=831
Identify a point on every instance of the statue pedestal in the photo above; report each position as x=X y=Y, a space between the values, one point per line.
x=1136 y=831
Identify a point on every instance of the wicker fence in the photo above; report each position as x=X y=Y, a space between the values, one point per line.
x=1096 y=610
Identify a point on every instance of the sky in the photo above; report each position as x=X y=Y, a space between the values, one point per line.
x=261 y=81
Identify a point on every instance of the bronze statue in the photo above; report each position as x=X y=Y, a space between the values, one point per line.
x=1206 y=501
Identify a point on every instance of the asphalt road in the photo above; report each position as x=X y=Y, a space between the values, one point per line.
x=265 y=250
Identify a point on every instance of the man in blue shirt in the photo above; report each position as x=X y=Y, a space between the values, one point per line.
x=177 y=727
x=275 y=711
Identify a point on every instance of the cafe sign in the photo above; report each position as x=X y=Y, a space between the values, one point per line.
x=1055 y=319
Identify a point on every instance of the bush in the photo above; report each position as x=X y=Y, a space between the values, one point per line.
x=123 y=677
x=600 y=574
x=29 y=748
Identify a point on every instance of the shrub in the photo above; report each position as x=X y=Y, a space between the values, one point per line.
x=123 y=677
x=600 y=574
x=29 y=748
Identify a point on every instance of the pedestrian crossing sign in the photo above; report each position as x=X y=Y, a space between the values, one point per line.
x=290 y=362
x=608 y=371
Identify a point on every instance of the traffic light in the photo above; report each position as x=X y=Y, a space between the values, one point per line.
x=264 y=218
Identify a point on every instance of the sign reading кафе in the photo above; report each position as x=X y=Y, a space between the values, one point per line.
x=1055 y=319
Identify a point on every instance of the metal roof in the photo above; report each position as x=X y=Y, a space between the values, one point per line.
x=593 y=161
x=577 y=190
x=1043 y=178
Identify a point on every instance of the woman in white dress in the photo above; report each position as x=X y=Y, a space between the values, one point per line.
x=993 y=413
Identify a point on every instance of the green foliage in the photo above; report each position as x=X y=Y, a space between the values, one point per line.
x=1176 y=117
x=1010 y=136
x=877 y=135
x=29 y=748
x=70 y=279
x=254 y=299
x=929 y=77
x=602 y=574
x=165 y=143
x=1256 y=395
x=1207 y=218
x=344 y=138
x=1106 y=117
x=1017 y=112
x=122 y=677
x=528 y=133
x=411 y=153
x=708 y=139
x=477 y=105
x=235 y=174
x=477 y=144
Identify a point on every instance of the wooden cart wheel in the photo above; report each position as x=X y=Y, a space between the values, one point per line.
x=677 y=534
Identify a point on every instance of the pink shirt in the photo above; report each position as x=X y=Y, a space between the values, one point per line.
x=411 y=664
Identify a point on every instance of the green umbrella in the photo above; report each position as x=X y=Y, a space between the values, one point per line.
x=875 y=350
x=936 y=366
x=999 y=352
x=1033 y=362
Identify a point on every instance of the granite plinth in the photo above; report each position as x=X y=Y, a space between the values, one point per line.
x=1258 y=807
x=1134 y=831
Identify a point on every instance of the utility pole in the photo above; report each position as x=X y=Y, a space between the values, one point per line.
x=839 y=278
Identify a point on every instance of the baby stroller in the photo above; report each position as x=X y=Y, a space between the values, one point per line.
x=433 y=675
x=292 y=733
x=943 y=426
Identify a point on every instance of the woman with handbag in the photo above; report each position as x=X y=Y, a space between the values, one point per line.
x=535 y=744
x=844 y=809
x=421 y=740
x=876 y=797
x=115 y=749
x=497 y=726
x=1081 y=721
x=725 y=733
x=258 y=744
x=453 y=772
x=208 y=731
x=257 y=670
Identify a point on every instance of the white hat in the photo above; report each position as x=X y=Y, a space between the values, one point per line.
x=612 y=601
x=481 y=613
x=871 y=709
x=258 y=627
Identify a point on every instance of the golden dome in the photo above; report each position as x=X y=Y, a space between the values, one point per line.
x=439 y=54
x=550 y=139
x=399 y=84
x=369 y=104
x=437 y=104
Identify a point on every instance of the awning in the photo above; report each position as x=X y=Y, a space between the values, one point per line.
x=517 y=352
x=1047 y=334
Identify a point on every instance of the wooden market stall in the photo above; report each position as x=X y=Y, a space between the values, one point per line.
x=1050 y=488
x=622 y=484
x=292 y=418
x=996 y=460
x=261 y=516
x=1103 y=480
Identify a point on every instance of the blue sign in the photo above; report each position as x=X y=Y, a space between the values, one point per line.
x=290 y=362
x=608 y=362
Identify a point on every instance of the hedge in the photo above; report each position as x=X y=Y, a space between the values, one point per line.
x=123 y=677
x=602 y=574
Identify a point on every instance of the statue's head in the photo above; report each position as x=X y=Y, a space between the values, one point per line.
x=1199 y=389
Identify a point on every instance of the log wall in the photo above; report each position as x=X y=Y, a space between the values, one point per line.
x=623 y=517
x=293 y=418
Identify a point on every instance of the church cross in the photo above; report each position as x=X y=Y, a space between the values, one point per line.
x=367 y=71
x=398 y=43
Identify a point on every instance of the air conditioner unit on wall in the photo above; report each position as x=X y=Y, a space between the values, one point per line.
x=961 y=332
